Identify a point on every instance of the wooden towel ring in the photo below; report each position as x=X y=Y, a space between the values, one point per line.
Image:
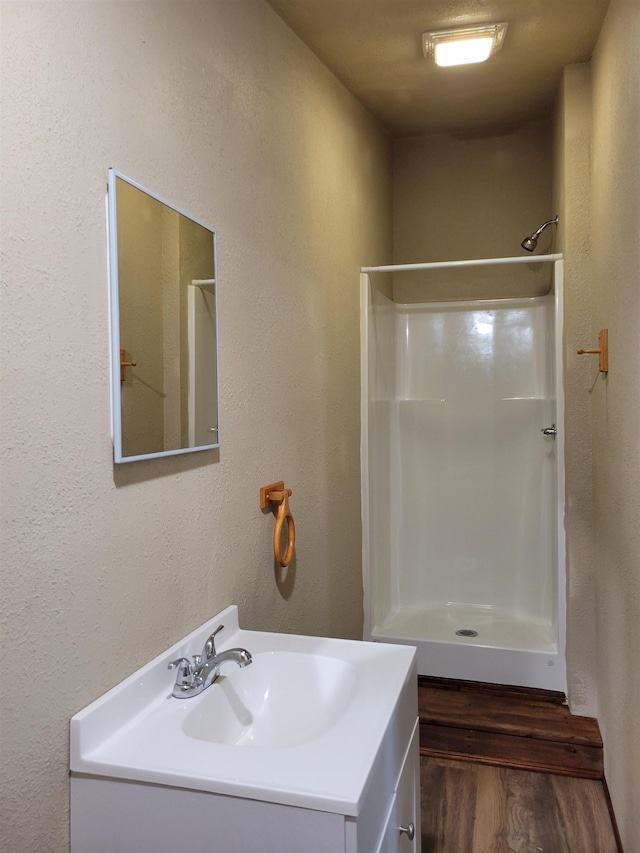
x=277 y=494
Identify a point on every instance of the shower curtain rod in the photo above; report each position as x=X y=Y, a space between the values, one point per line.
x=477 y=262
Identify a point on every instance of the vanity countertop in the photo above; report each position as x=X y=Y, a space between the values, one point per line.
x=137 y=730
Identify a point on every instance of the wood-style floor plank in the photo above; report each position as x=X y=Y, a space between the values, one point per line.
x=506 y=692
x=449 y=793
x=586 y=799
x=522 y=753
x=516 y=812
x=520 y=715
x=472 y=808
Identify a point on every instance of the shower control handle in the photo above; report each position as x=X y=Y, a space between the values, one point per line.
x=550 y=431
x=410 y=830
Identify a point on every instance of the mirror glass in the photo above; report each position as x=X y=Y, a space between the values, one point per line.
x=164 y=364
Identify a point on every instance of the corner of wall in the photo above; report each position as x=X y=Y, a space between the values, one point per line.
x=571 y=194
x=615 y=403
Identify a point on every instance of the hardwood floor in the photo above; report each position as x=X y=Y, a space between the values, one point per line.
x=509 y=770
x=478 y=808
x=512 y=726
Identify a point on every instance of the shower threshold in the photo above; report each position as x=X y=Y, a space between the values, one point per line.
x=476 y=626
x=506 y=649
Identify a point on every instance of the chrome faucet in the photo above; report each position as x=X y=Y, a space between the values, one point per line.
x=193 y=678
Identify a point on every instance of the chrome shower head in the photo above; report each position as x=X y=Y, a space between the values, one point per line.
x=529 y=243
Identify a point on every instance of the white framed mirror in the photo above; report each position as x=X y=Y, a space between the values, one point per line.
x=164 y=326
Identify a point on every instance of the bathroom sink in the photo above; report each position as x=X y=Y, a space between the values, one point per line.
x=282 y=699
x=303 y=725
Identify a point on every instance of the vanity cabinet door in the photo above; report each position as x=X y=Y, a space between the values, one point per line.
x=402 y=832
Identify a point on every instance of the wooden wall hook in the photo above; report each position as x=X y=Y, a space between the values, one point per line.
x=602 y=351
x=124 y=364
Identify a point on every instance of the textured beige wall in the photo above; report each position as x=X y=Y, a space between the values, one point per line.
x=217 y=107
x=459 y=197
x=572 y=191
x=615 y=403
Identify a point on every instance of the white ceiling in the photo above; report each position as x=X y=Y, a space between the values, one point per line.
x=374 y=48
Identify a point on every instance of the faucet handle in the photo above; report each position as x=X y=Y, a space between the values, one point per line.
x=186 y=670
x=209 y=649
x=186 y=679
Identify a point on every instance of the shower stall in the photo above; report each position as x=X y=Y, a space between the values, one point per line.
x=463 y=479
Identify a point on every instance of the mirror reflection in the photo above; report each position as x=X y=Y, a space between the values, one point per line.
x=163 y=326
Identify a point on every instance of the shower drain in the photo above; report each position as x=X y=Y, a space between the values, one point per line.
x=466 y=632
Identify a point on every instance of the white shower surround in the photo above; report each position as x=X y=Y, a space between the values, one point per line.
x=481 y=379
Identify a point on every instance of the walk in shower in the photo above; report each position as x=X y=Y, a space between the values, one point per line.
x=463 y=479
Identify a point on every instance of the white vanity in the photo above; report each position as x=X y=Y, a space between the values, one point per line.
x=313 y=748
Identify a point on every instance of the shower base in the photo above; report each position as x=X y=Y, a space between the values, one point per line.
x=506 y=650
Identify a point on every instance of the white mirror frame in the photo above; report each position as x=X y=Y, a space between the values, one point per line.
x=114 y=322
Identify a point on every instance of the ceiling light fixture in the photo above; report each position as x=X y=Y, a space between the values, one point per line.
x=464 y=45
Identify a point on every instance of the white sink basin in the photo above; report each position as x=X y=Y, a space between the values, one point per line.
x=282 y=699
x=310 y=713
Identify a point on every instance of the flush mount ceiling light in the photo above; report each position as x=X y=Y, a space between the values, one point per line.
x=464 y=45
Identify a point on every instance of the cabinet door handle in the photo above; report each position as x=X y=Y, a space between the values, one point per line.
x=410 y=830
